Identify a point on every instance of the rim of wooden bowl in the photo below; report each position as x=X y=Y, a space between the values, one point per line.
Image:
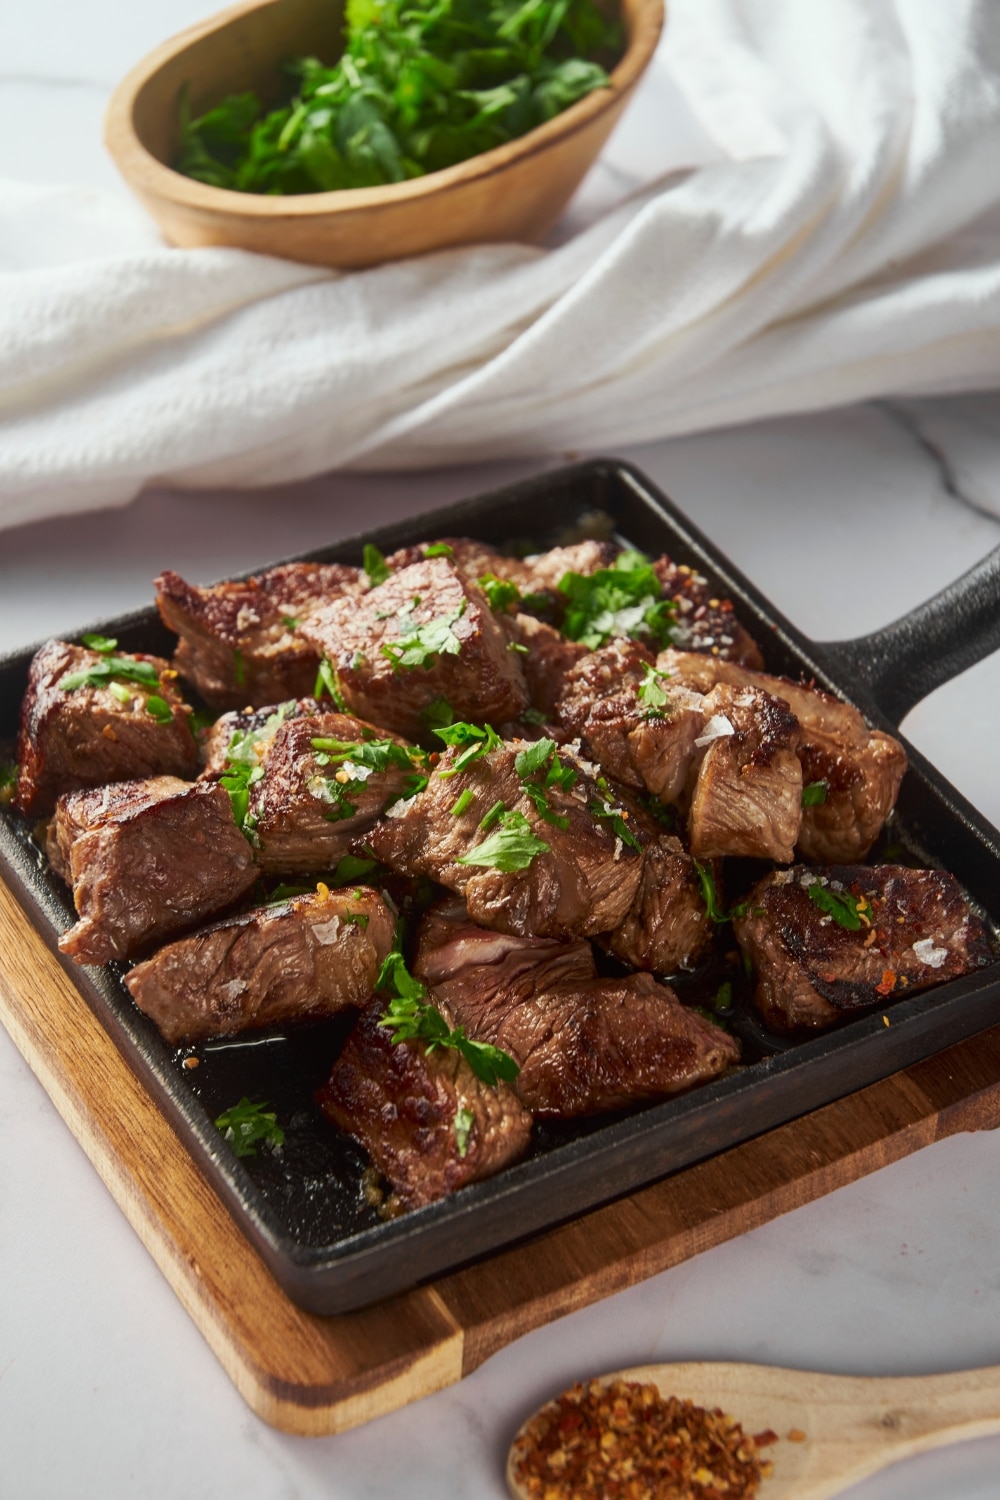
x=145 y=173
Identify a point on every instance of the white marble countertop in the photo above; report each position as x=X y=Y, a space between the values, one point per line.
x=845 y=519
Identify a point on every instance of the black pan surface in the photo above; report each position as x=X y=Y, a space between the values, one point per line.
x=308 y=1209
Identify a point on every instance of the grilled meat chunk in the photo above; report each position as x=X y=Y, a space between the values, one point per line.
x=612 y=698
x=146 y=858
x=326 y=779
x=536 y=575
x=86 y=720
x=545 y=661
x=702 y=621
x=299 y=960
x=257 y=724
x=667 y=927
x=827 y=941
x=423 y=636
x=428 y=1123
x=523 y=873
x=584 y=1044
x=747 y=797
x=240 y=641
x=859 y=769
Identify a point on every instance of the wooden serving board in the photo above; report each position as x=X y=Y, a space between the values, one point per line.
x=314 y=1375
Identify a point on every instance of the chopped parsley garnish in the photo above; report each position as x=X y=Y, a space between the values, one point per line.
x=121 y=693
x=512 y=847
x=328 y=682
x=159 y=709
x=290 y=622
x=500 y=592
x=419 y=86
x=516 y=646
x=112 y=669
x=200 y=720
x=814 y=793
x=493 y=816
x=244 y=768
x=651 y=694
x=849 y=912
x=373 y=755
x=374 y=565
x=540 y=769
x=462 y=1124
x=474 y=742
x=624 y=599
x=418 y=647
x=101 y=643
x=350 y=869
x=8 y=781
x=439 y=549
x=285 y=892
x=716 y=912
x=661 y=812
x=724 y=996
x=246 y=1123
x=533 y=716
x=438 y=714
x=463 y=802
x=605 y=809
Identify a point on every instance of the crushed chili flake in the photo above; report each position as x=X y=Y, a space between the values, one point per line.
x=888 y=983
x=624 y=1441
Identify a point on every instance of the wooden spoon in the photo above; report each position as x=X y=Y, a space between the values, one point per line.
x=853 y=1425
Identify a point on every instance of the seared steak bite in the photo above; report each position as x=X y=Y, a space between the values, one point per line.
x=147 y=859
x=325 y=780
x=536 y=575
x=747 y=797
x=584 y=1044
x=667 y=927
x=545 y=661
x=855 y=771
x=633 y=721
x=826 y=941
x=428 y=1123
x=298 y=960
x=260 y=724
x=550 y=859
x=91 y=717
x=423 y=636
x=240 y=641
x=703 y=622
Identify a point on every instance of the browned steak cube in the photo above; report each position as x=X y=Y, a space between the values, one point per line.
x=668 y=927
x=428 y=1123
x=854 y=771
x=546 y=659
x=260 y=724
x=151 y=858
x=423 y=637
x=826 y=941
x=550 y=860
x=747 y=798
x=90 y=717
x=326 y=779
x=298 y=960
x=704 y=622
x=240 y=641
x=639 y=726
x=584 y=1044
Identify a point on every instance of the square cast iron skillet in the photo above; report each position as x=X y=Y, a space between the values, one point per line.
x=304 y=1208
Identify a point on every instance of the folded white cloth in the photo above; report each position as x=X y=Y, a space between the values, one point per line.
x=837 y=236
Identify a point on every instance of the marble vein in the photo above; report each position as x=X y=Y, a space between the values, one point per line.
x=948 y=479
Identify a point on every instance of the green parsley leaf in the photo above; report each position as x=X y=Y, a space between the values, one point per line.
x=245 y=1124
x=412 y=1019
x=111 y=669
x=438 y=714
x=716 y=913
x=534 y=758
x=351 y=868
x=475 y=741
x=328 y=682
x=283 y=892
x=512 y=847
x=373 y=755
x=624 y=599
x=848 y=911
x=244 y=767
x=159 y=709
x=462 y=1124
x=500 y=592
x=814 y=793
x=533 y=716
x=724 y=996
x=418 y=647
x=439 y=549
x=290 y=622
x=8 y=782
x=374 y=565
x=605 y=809
x=650 y=693
x=102 y=643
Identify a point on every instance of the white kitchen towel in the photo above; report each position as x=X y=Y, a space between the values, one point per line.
x=837 y=238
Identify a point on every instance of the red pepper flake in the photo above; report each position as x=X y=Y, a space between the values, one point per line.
x=888 y=983
x=624 y=1441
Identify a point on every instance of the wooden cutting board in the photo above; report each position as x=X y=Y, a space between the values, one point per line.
x=314 y=1375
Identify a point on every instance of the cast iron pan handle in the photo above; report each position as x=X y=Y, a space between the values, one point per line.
x=908 y=659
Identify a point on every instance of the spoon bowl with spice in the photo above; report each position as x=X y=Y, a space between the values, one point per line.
x=740 y=1431
x=514 y=190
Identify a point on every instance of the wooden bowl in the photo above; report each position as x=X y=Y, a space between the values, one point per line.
x=514 y=192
